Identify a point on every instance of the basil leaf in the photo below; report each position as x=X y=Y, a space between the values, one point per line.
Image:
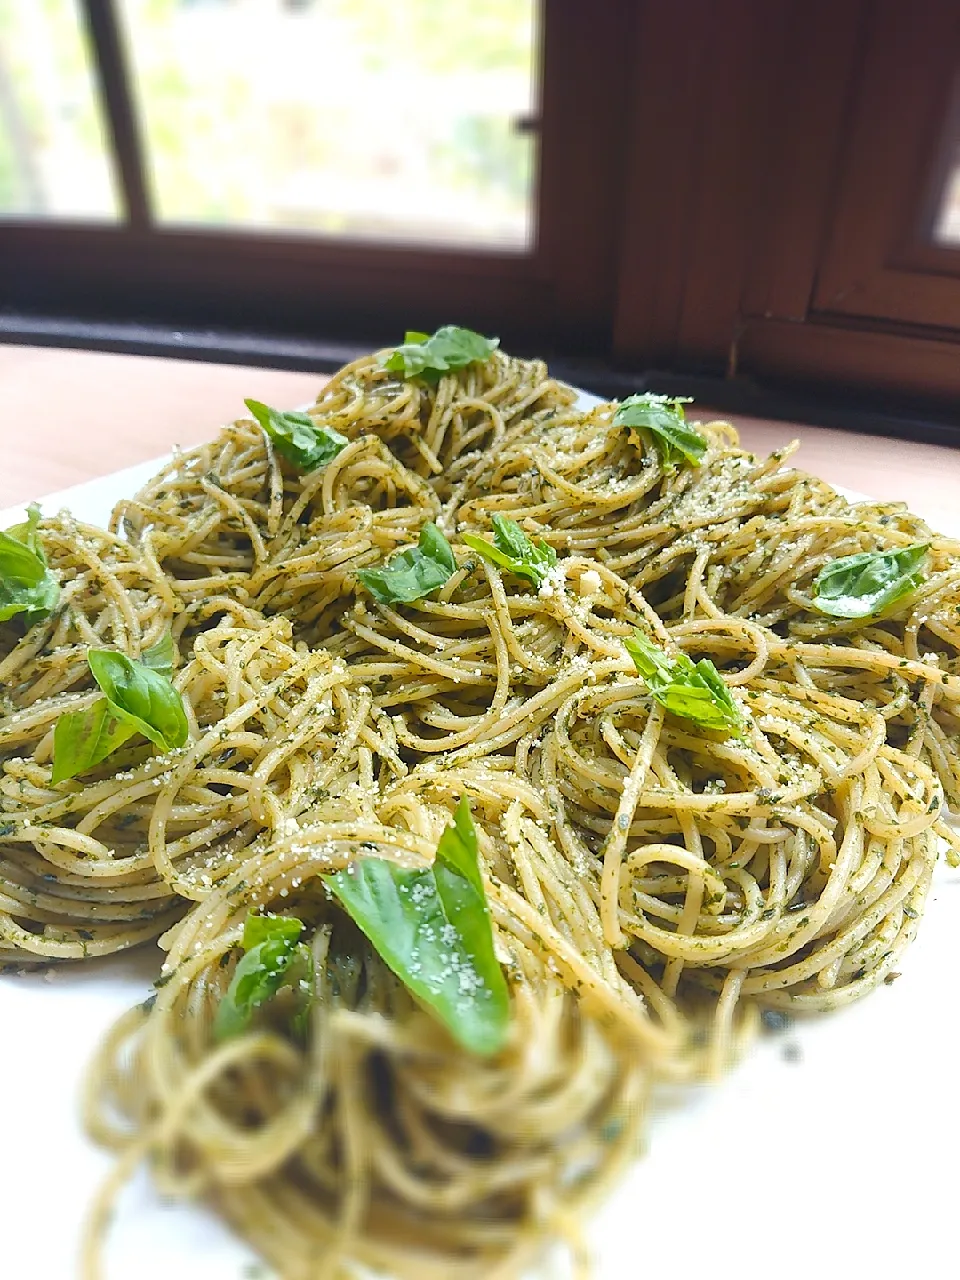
x=259 y=929
x=82 y=739
x=297 y=437
x=456 y=870
x=28 y=533
x=143 y=697
x=159 y=657
x=660 y=420
x=434 y=544
x=413 y=573
x=513 y=550
x=862 y=586
x=432 y=929
x=26 y=584
x=429 y=357
x=652 y=663
x=139 y=699
x=696 y=692
x=273 y=956
x=458 y=849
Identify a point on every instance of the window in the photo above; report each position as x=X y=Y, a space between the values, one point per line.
x=338 y=166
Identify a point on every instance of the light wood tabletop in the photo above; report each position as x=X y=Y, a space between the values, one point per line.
x=69 y=416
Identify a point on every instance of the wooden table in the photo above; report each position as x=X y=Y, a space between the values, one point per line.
x=68 y=416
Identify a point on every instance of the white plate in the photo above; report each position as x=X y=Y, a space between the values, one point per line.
x=839 y=1164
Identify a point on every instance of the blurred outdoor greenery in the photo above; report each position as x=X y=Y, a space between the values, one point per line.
x=52 y=158
x=389 y=118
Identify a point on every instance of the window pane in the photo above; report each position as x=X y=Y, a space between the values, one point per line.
x=391 y=119
x=947 y=226
x=945 y=176
x=53 y=154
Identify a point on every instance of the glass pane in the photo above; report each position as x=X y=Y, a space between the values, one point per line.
x=946 y=229
x=53 y=153
x=390 y=119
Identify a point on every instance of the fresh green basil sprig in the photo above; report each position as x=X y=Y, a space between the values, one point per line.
x=694 y=691
x=660 y=420
x=864 y=585
x=413 y=573
x=432 y=929
x=429 y=356
x=27 y=586
x=297 y=437
x=274 y=957
x=139 y=697
x=511 y=549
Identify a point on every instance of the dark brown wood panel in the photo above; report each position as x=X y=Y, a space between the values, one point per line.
x=815 y=91
x=586 y=74
x=751 y=46
x=661 y=166
x=720 y=104
x=281 y=282
x=840 y=355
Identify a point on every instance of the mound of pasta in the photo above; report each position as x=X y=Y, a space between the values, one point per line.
x=479 y=760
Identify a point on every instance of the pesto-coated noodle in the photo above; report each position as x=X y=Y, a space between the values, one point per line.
x=651 y=882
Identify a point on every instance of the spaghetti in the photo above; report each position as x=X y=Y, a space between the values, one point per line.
x=98 y=865
x=651 y=882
